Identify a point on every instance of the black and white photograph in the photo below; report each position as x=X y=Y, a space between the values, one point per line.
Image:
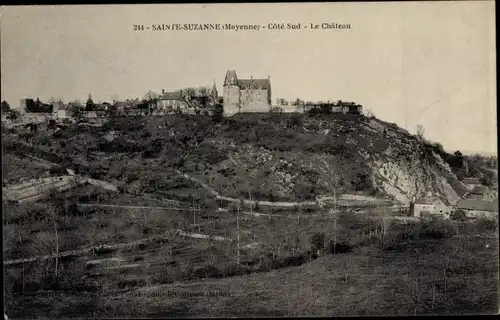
x=249 y=160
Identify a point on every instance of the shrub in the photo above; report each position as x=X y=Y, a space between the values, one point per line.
x=57 y=170
x=207 y=271
x=485 y=224
x=318 y=241
x=294 y=261
x=233 y=269
x=437 y=230
x=339 y=247
x=458 y=215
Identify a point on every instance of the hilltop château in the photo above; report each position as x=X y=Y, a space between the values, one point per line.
x=246 y=95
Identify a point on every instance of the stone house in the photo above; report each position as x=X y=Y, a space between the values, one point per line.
x=475 y=208
x=478 y=192
x=170 y=102
x=470 y=183
x=62 y=113
x=89 y=114
x=431 y=206
x=36 y=117
x=245 y=95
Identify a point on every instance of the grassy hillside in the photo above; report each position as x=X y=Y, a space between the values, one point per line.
x=272 y=157
x=417 y=269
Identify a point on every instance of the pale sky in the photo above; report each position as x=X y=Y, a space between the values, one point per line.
x=430 y=63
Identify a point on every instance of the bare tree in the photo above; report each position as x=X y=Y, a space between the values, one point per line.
x=75 y=109
x=151 y=95
x=54 y=100
x=369 y=113
x=151 y=98
x=420 y=131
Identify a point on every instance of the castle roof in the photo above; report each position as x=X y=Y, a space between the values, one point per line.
x=232 y=79
x=254 y=83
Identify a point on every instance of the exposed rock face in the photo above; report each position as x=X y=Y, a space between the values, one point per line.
x=404 y=180
x=359 y=156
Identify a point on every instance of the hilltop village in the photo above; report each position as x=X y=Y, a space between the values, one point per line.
x=240 y=95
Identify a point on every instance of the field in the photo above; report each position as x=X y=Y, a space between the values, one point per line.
x=422 y=268
x=14 y=168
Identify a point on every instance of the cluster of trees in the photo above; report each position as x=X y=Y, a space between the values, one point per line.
x=490 y=162
x=10 y=113
x=475 y=166
x=198 y=98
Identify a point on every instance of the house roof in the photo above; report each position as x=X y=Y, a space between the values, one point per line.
x=431 y=200
x=478 y=204
x=479 y=190
x=425 y=201
x=176 y=95
x=254 y=83
x=471 y=181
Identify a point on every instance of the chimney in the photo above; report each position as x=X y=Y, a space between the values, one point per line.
x=162 y=91
x=269 y=77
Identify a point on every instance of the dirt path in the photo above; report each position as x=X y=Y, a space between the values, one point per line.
x=135 y=207
x=90 y=250
x=218 y=196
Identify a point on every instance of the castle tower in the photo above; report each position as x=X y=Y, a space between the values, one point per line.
x=231 y=93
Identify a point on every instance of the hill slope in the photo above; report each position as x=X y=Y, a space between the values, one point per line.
x=285 y=157
x=265 y=157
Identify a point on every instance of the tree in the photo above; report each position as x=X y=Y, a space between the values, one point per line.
x=203 y=97
x=112 y=110
x=52 y=124
x=13 y=114
x=218 y=112
x=89 y=105
x=296 y=121
x=54 y=100
x=144 y=105
x=318 y=241
x=298 y=102
x=369 y=113
x=458 y=215
x=152 y=98
x=189 y=93
x=5 y=107
x=75 y=109
x=420 y=131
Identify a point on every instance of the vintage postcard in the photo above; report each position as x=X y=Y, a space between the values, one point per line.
x=249 y=160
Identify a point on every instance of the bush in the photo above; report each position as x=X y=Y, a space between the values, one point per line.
x=318 y=241
x=458 y=215
x=339 y=247
x=57 y=170
x=486 y=225
x=207 y=271
x=437 y=230
x=294 y=261
x=233 y=269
